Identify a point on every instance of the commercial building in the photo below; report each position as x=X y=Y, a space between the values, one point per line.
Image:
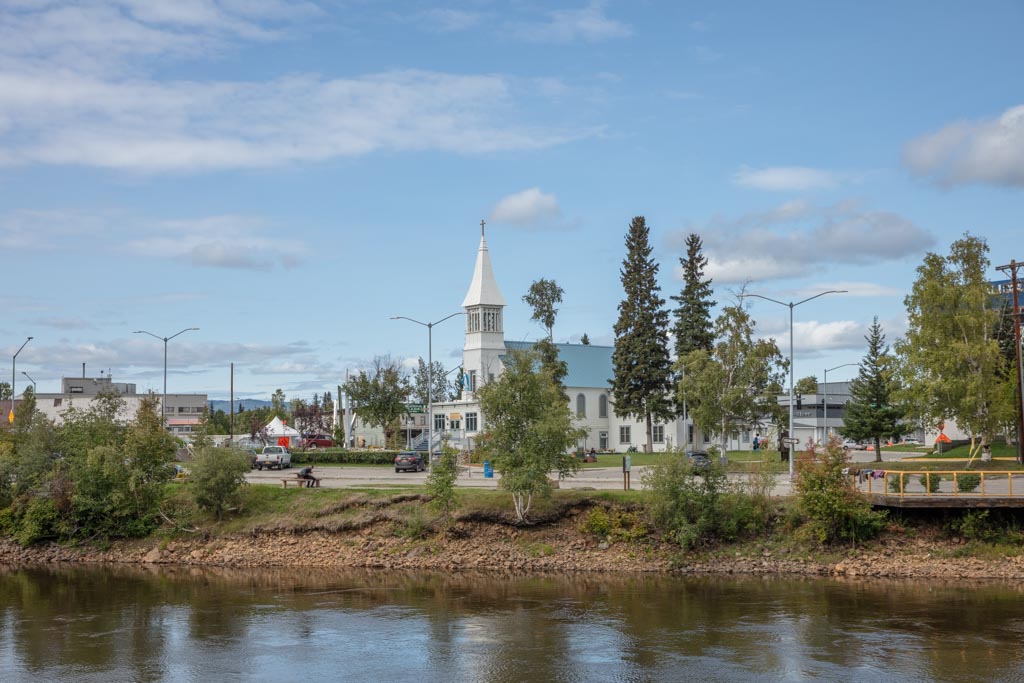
x=182 y=412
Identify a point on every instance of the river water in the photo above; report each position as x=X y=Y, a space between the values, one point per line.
x=108 y=625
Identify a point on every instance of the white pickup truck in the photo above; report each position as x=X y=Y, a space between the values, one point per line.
x=274 y=456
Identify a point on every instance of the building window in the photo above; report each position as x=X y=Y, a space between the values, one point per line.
x=624 y=434
x=169 y=409
x=471 y=422
x=439 y=422
x=689 y=433
x=57 y=402
x=581 y=405
x=182 y=409
x=455 y=424
x=658 y=433
x=77 y=390
x=473 y=321
x=472 y=380
x=745 y=436
x=707 y=438
x=602 y=406
x=602 y=441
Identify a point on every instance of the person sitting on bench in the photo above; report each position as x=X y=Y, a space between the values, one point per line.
x=307 y=474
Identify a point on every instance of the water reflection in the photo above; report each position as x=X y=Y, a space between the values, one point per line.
x=103 y=624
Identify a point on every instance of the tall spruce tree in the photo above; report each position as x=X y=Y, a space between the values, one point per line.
x=642 y=382
x=693 y=328
x=543 y=297
x=871 y=414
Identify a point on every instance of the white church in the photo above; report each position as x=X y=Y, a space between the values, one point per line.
x=587 y=382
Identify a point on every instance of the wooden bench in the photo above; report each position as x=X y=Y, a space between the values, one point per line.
x=299 y=482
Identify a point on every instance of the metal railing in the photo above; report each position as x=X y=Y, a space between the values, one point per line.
x=895 y=483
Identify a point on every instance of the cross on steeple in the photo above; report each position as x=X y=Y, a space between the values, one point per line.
x=482 y=223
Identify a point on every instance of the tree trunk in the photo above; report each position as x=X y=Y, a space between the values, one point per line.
x=650 y=435
x=878 y=449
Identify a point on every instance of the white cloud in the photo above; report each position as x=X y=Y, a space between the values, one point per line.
x=527 y=208
x=851 y=288
x=447 y=20
x=785 y=178
x=229 y=241
x=220 y=242
x=809 y=336
x=564 y=26
x=989 y=151
x=74 y=91
x=754 y=247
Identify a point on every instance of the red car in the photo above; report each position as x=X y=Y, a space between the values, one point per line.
x=317 y=441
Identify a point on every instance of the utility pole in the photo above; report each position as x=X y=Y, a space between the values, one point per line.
x=1012 y=268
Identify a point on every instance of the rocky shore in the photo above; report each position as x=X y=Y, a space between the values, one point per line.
x=559 y=547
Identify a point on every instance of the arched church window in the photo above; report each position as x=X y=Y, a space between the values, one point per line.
x=581 y=405
x=602 y=406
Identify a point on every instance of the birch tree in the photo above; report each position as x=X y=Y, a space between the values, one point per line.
x=950 y=361
x=724 y=388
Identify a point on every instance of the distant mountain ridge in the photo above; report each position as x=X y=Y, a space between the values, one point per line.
x=247 y=403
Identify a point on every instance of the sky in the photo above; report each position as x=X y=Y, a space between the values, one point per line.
x=288 y=175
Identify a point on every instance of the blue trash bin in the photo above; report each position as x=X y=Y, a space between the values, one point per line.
x=488 y=470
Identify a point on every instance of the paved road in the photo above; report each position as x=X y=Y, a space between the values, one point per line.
x=609 y=478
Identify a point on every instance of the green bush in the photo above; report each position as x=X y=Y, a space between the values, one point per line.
x=441 y=485
x=975 y=525
x=39 y=522
x=614 y=524
x=323 y=456
x=894 y=482
x=835 y=511
x=694 y=508
x=930 y=482
x=966 y=483
x=216 y=476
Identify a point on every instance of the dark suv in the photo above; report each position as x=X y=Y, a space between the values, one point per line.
x=410 y=461
x=698 y=460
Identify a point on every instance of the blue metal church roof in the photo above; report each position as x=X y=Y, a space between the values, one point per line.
x=589 y=366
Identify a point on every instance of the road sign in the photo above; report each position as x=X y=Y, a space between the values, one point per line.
x=791 y=442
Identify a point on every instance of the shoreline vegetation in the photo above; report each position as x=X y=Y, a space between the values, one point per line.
x=572 y=531
x=95 y=490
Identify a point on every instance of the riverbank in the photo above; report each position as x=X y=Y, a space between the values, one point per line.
x=394 y=532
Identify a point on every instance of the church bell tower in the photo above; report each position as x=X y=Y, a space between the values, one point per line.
x=485 y=332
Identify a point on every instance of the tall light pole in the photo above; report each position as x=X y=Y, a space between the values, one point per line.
x=791 y=305
x=825 y=385
x=30 y=380
x=14 y=362
x=430 y=375
x=163 y=402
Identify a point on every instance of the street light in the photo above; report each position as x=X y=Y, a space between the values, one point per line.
x=825 y=385
x=430 y=375
x=14 y=362
x=791 y=306
x=163 y=403
x=30 y=380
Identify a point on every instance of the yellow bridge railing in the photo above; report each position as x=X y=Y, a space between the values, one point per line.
x=909 y=483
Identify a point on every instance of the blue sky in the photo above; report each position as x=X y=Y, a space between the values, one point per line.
x=288 y=175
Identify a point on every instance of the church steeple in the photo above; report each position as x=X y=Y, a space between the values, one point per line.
x=483 y=288
x=485 y=332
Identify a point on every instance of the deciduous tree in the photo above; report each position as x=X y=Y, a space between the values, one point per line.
x=380 y=395
x=725 y=388
x=543 y=297
x=529 y=430
x=421 y=382
x=951 y=365
x=642 y=382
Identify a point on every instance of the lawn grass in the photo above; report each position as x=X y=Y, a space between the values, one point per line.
x=999 y=450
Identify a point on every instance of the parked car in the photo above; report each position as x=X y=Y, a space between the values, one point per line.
x=851 y=445
x=274 y=456
x=409 y=460
x=912 y=442
x=698 y=460
x=315 y=441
